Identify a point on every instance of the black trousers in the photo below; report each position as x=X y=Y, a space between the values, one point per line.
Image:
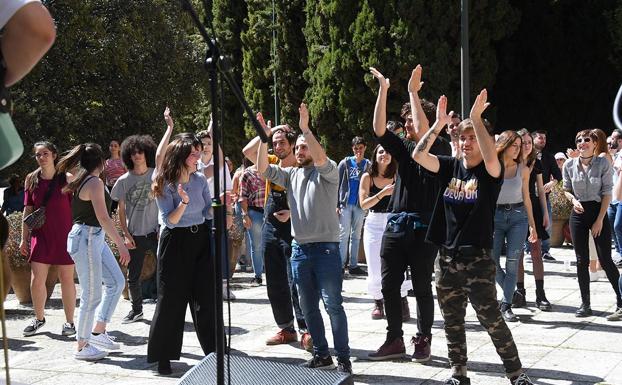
x=580 y=225
x=184 y=278
x=403 y=245
x=282 y=292
x=134 y=268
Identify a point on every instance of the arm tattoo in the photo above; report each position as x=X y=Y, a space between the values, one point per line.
x=423 y=143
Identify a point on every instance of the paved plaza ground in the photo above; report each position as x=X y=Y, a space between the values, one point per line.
x=555 y=347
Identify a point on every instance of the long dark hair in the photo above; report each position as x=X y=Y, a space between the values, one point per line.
x=32 y=179
x=81 y=161
x=506 y=139
x=174 y=161
x=531 y=158
x=373 y=168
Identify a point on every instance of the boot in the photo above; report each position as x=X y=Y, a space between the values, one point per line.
x=518 y=299
x=378 y=312
x=541 y=302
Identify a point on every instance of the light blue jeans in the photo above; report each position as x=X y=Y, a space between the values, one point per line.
x=95 y=264
x=317 y=273
x=511 y=226
x=350 y=227
x=254 y=235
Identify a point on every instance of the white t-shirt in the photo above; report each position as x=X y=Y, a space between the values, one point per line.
x=8 y=8
x=225 y=177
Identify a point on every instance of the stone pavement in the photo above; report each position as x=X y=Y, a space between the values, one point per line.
x=555 y=347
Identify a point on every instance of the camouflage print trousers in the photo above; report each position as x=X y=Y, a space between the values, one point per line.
x=473 y=278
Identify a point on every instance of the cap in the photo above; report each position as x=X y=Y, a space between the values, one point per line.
x=560 y=155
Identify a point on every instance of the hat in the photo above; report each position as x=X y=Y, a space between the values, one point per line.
x=560 y=155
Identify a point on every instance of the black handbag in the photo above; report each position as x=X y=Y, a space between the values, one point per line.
x=36 y=219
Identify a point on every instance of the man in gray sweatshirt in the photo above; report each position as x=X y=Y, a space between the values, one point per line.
x=316 y=263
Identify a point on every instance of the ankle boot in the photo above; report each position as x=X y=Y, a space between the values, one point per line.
x=378 y=312
x=518 y=299
x=541 y=302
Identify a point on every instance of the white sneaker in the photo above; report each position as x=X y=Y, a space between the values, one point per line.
x=89 y=353
x=104 y=341
x=594 y=276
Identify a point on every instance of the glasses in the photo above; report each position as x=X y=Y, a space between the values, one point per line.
x=583 y=140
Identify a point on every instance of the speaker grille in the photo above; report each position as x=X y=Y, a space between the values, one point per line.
x=260 y=371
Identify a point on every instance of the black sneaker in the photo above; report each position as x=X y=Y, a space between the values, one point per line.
x=256 y=281
x=69 y=329
x=318 y=362
x=458 y=380
x=132 y=316
x=522 y=379
x=34 y=325
x=548 y=257
x=357 y=271
x=344 y=366
x=509 y=316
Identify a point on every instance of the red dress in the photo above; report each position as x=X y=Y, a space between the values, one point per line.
x=49 y=243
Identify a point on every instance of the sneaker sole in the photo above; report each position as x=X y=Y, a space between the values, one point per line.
x=426 y=359
x=29 y=334
x=389 y=357
x=92 y=358
x=68 y=334
x=272 y=343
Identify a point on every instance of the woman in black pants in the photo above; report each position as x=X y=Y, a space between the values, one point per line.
x=184 y=254
x=588 y=184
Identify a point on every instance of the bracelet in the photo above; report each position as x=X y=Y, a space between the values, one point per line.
x=184 y=203
x=378 y=196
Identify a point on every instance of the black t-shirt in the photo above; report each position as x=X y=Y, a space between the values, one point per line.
x=466 y=210
x=535 y=171
x=416 y=189
x=548 y=168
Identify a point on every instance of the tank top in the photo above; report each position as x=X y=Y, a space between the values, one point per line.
x=381 y=206
x=512 y=188
x=82 y=211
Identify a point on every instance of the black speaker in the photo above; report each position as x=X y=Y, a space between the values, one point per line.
x=247 y=370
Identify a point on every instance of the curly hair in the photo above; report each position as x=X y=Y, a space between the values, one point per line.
x=142 y=143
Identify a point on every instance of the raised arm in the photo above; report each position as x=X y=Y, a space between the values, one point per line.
x=250 y=150
x=380 y=111
x=315 y=148
x=422 y=154
x=165 y=138
x=420 y=121
x=485 y=141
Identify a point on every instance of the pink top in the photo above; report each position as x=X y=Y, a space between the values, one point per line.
x=113 y=169
x=49 y=243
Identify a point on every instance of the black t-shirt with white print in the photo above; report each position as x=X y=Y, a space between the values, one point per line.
x=464 y=215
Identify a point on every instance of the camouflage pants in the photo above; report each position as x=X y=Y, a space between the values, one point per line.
x=472 y=278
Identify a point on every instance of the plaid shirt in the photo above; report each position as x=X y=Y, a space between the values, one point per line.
x=253 y=188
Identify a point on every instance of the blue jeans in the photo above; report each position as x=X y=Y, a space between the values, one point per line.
x=350 y=227
x=316 y=269
x=510 y=225
x=95 y=264
x=254 y=234
x=614 y=213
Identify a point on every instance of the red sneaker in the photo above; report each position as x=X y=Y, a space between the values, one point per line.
x=306 y=342
x=282 y=337
x=378 y=312
x=422 y=347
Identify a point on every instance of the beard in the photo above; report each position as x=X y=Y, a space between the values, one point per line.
x=304 y=162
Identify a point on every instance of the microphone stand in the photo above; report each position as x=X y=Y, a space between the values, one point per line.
x=215 y=65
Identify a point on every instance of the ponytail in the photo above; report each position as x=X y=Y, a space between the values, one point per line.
x=80 y=161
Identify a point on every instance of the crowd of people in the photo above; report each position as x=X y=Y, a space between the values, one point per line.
x=440 y=197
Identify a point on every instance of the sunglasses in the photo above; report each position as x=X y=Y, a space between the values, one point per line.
x=583 y=140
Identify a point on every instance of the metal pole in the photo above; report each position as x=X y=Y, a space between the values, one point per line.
x=274 y=62
x=465 y=86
